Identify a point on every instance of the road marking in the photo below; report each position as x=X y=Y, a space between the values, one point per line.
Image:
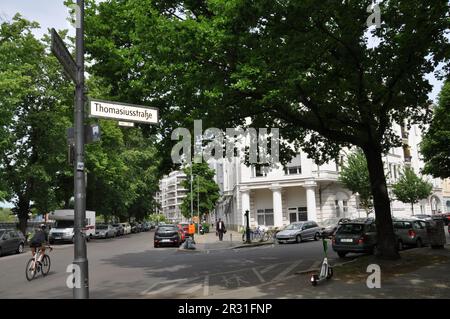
x=258 y=275
x=267 y=269
x=206 y=286
x=283 y=274
x=175 y=282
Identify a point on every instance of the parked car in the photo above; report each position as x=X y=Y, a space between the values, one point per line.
x=145 y=226
x=167 y=235
x=135 y=228
x=331 y=225
x=11 y=241
x=119 y=229
x=422 y=216
x=411 y=232
x=182 y=233
x=445 y=217
x=104 y=231
x=299 y=231
x=185 y=227
x=356 y=236
x=126 y=228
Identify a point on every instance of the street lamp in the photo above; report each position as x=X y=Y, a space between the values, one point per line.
x=247 y=230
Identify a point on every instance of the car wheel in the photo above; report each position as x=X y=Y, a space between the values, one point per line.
x=155 y=246
x=73 y=239
x=51 y=241
x=419 y=243
x=106 y=235
x=20 y=248
x=298 y=239
x=280 y=242
x=316 y=236
x=400 y=245
x=342 y=254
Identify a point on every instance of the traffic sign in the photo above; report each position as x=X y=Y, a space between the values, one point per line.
x=63 y=55
x=123 y=111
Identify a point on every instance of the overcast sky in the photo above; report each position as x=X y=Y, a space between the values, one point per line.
x=53 y=14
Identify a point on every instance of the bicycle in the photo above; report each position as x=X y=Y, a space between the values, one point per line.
x=34 y=265
x=258 y=234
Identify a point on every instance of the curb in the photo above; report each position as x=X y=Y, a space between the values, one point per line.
x=253 y=245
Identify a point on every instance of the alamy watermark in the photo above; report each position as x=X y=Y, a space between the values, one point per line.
x=374 y=19
x=374 y=279
x=236 y=142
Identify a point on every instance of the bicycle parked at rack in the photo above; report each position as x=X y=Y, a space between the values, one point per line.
x=258 y=234
x=34 y=265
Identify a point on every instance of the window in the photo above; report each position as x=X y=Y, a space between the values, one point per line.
x=259 y=170
x=294 y=167
x=395 y=172
x=265 y=217
x=12 y=234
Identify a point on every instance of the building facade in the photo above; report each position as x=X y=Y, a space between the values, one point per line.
x=303 y=190
x=170 y=196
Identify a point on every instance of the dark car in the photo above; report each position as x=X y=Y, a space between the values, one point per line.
x=331 y=225
x=167 y=235
x=145 y=226
x=11 y=241
x=445 y=217
x=356 y=236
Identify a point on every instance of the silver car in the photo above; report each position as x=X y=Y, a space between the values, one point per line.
x=105 y=231
x=299 y=231
x=411 y=232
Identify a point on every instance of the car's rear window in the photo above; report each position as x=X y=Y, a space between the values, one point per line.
x=351 y=229
x=102 y=227
x=167 y=228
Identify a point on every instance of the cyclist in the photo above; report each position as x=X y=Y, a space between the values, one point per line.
x=39 y=240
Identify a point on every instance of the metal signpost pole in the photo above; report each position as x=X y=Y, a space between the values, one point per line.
x=80 y=291
x=198 y=204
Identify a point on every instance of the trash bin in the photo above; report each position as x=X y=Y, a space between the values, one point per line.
x=436 y=233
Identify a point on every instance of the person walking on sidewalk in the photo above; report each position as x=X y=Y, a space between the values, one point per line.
x=220 y=228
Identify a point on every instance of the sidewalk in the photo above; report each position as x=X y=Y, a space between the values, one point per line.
x=210 y=241
x=421 y=273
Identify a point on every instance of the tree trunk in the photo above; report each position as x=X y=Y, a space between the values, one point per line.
x=412 y=209
x=23 y=208
x=386 y=242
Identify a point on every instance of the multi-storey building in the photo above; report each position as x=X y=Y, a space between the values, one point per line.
x=446 y=194
x=171 y=195
x=303 y=190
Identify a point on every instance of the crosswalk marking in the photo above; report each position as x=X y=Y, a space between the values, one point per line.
x=267 y=269
x=206 y=286
x=282 y=274
x=175 y=282
x=258 y=275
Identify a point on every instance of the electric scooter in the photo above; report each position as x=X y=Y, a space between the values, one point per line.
x=326 y=271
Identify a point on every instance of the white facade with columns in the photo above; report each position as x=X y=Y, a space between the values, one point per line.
x=305 y=191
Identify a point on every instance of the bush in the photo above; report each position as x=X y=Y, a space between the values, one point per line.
x=205 y=227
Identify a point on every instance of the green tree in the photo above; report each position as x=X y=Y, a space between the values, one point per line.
x=355 y=176
x=35 y=99
x=204 y=190
x=435 y=146
x=306 y=67
x=411 y=188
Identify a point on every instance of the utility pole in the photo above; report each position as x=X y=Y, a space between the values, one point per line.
x=80 y=255
x=192 y=195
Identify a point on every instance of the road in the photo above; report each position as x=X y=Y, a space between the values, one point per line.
x=129 y=267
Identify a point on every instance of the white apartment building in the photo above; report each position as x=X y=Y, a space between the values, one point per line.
x=170 y=196
x=305 y=191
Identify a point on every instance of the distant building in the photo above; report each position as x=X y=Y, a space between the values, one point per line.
x=170 y=196
x=446 y=195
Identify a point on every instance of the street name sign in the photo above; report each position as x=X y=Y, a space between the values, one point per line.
x=63 y=55
x=123 y=112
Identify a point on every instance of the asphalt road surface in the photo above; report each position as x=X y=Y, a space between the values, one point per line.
x=129 y=267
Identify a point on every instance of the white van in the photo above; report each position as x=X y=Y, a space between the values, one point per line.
x=63 y=229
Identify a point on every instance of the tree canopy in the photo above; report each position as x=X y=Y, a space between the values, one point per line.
x=205 y=190
x=355 y=176
x=411 y=188
x=435 y=146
